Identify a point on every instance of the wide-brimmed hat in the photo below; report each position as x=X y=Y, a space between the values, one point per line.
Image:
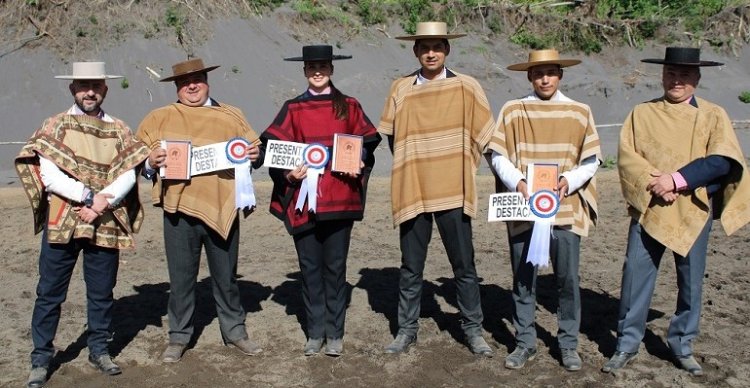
x=319 y=52
x=431 y=30
x=543 y=57
x=682 y=56
x=191 y=66
x=88 y=70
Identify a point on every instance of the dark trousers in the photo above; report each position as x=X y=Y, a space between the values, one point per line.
x=184 y=236
x=56 y=263
x=322 y=256
x=455 y=231
x=638 y=282
x=564 y=252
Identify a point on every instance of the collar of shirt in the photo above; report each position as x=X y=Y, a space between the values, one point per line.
x=558 y=97
x=421 y=79
x=75 y=110
x=325 y=91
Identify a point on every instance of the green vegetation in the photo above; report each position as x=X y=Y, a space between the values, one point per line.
x=609 y=162
x=124 y=83
x=568 y=25
x=745 y=97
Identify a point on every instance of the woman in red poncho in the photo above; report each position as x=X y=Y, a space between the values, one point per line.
x=321 y=231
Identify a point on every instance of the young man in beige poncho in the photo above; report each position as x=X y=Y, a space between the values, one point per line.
x=548 y=127
x=78 y=170
x=680 y=167
x=438 y=123
x=202 y=212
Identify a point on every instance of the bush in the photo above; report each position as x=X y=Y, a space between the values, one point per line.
x=745 y=97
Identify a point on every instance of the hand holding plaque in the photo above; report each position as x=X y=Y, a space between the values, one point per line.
x=177 y=166
x=542 y=176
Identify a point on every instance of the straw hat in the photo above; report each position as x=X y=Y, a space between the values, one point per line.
x=191 y=66
x=318 y=53
x=88 y=70
x=431 y=30
x=543 y=57
x=682 y=56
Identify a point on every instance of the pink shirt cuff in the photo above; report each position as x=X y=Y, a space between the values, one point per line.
x=679 y=181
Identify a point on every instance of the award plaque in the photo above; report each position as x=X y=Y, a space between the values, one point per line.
x=347 y=153
x=542 y=176
x=178 y=159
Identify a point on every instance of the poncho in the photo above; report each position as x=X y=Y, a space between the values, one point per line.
x=562 y=133
x=208 y=197
x=659 y=136
x=95 y=153
x=440 y=130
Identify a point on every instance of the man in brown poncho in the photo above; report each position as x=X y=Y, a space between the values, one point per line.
x=680 y=166
x=201 y=212
x=548 y=128
x=438 y=123
x=78 y=171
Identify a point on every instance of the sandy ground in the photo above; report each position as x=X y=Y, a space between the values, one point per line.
x=270 y=286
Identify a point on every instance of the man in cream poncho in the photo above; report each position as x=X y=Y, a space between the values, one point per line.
x=548 y=127
x=438 y=123
x=201 y=212
x=680 y=166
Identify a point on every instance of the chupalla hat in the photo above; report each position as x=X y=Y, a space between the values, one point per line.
x=543 y=57
x=191 y=66
x=431 y=30
x=682 y=56
x=88 y=70
x=320 y=52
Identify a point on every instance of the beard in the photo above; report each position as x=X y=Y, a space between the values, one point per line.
x=90 y=107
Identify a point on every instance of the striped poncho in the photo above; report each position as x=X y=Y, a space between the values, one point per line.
x=440 y=130
x=208 y=197
x=559 y=132
x=95 y=153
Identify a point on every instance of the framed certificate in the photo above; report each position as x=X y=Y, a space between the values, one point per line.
x=179 y=153
x=542 y=176
x=347 y=153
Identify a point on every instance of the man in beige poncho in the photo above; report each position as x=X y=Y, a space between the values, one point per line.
x=201 y=212
x=78 y=170
x=680 y=166
x=438 y=123
x=546 y=127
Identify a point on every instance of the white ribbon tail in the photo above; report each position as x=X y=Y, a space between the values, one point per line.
x=539 y=245
x=309 y=185
x=244 y=194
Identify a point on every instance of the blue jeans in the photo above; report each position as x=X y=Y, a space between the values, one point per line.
x=56 y=263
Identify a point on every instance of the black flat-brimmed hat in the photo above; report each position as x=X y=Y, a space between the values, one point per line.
x=191 y=66
x=319 y=52
x=682 y=56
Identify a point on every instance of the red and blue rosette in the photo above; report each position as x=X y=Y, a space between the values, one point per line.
x=236 y=150
x=316 y=155
x=544 y=204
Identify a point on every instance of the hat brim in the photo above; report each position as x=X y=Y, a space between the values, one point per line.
x=332 y=58
x=204 y=70
x=417 y=37
x=560 y=62
x=660 y=61
x=74 y=77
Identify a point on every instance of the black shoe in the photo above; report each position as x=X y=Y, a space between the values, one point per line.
x=401 y=344
x=37 y=377
x=618 y=361
x=104 y=364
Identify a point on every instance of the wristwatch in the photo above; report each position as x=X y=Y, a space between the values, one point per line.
x=89 y=200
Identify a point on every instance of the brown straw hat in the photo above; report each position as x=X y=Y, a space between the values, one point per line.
x=431 y=30
x=190 y=66
x=543 y=57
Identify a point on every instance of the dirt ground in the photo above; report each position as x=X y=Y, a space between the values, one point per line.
x=270 y=285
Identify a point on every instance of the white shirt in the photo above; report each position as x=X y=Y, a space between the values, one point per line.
x=58 y=182
x=421 y=79
x=577 y=177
